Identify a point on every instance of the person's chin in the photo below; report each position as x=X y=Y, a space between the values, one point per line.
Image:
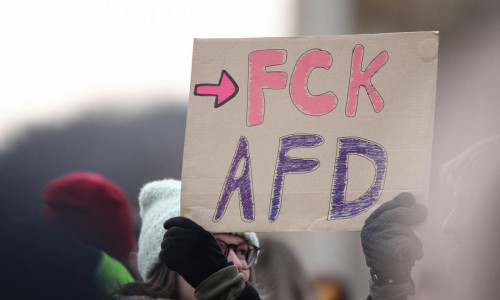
x=456 y=255
x=452 y=258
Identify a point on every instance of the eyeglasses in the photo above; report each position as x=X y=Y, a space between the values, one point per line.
x=246 y=253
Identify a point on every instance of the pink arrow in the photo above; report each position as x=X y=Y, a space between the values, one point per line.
x=223 y=91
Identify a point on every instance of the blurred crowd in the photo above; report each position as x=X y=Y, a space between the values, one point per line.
x=82 y=245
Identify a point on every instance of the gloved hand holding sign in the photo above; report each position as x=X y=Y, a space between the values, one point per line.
x=391 y=247
x=190 y=250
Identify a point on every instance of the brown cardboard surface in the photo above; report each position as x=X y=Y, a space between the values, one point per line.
x=398 y=133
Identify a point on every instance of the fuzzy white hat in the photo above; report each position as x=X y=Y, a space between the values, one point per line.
x=158 y=202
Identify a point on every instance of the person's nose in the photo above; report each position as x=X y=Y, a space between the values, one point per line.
x=231 y=256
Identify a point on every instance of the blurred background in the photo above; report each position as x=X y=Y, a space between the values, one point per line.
x=103 y=86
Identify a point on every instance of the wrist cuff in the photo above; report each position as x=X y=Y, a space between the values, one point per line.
x=397 y=291
x=380 y=279
x=223 y=284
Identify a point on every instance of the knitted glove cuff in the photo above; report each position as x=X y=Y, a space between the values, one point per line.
x=380 y=278
x=395 y=291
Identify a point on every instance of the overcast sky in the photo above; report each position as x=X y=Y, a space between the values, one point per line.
x=60 y=57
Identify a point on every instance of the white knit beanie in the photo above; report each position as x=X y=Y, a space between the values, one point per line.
x=158 y=202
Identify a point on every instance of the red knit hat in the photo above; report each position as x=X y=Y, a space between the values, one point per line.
x=92 y=209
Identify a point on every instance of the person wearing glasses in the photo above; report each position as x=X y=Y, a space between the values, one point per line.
x=178 y=259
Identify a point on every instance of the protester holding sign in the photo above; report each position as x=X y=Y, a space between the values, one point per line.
x=473 y=266
x=196 y=255
x=218 y=266
x=303 y=134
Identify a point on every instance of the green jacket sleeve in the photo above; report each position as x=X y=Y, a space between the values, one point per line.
x=224 y=284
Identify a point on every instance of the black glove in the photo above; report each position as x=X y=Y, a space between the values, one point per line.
x=190 y=250
x=390 y=246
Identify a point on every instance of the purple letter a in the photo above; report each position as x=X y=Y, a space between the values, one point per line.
x=243 y=184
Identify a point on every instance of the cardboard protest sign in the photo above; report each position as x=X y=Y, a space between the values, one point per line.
x=309 y=133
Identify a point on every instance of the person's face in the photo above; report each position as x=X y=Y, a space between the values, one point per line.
x=236 y=258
